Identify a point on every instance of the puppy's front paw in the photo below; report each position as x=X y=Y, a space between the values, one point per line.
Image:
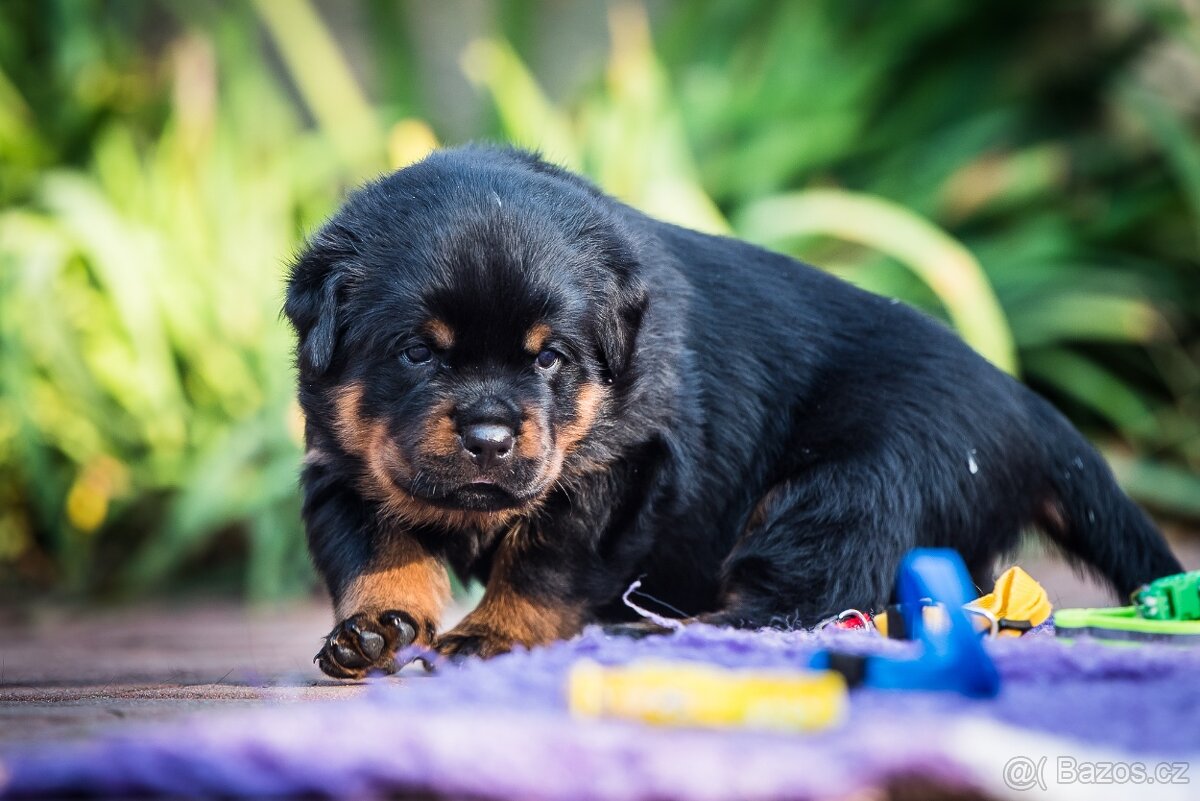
x=459 y=643
x=365 y=643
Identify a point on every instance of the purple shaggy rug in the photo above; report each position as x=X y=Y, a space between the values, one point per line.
x=500 y=729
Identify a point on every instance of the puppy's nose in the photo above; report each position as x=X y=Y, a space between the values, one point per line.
x=488 y=443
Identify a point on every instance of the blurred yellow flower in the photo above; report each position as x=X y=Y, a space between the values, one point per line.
x=100 y=480
x=409 y=141
x=14 y=535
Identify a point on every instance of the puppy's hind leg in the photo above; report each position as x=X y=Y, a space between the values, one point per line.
x=814 y=546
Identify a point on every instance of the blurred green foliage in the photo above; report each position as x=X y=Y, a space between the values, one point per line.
x=1029 y=172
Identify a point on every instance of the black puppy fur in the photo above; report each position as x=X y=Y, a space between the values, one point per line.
x=759 y=441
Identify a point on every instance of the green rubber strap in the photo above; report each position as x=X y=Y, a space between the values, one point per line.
x=1122 y=619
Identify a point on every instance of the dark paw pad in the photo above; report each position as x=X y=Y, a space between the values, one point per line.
x=365 y=643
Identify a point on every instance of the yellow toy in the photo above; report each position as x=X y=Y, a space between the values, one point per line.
x=691 y=694
x=1016 y=604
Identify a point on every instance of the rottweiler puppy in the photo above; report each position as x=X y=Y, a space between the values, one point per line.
x=509 y=374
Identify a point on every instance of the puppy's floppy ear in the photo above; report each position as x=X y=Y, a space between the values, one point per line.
x=620 y=316
x=314 y=289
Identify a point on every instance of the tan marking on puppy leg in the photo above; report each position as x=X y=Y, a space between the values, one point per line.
x=1052 y=516
x=506 y=616
x=758 y=515
x=405 y=577
x=441 y=333
x=536 y=337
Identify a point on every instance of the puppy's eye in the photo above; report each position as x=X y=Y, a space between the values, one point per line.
x=418 y=354
x=547 y=359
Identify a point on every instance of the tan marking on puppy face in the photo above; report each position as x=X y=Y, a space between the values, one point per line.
x=370 y=441
x=536 y=338
x=352 y=431
x=441 y=333
x=441 y=435
x=531 y=442
x=384 y=462
x=405 y=577
x=367 y=439
x=406 y=510
x=587 y=406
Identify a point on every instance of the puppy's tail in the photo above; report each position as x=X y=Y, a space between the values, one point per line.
x=1090 y=517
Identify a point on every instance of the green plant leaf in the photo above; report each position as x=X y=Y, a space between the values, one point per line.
x=1086 y=316
x=527 y=114
x=1163 y=486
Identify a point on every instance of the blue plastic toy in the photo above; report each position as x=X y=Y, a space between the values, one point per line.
x=952 y=657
